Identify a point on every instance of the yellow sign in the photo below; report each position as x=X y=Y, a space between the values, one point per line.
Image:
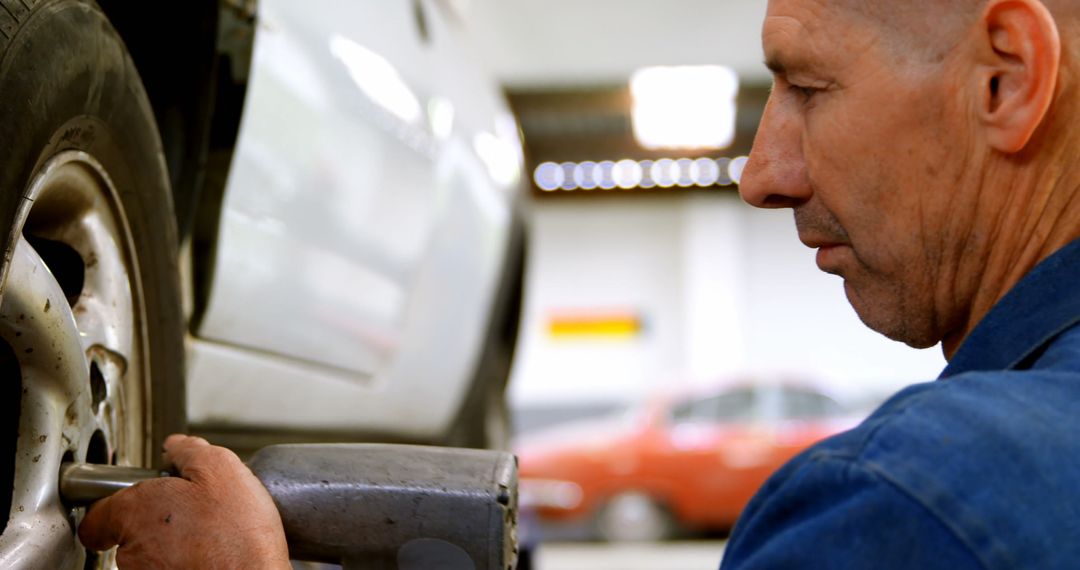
x=594 y=324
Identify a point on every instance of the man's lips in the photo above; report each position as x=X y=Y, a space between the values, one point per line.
x=817 y=241
x=828 y=254
x=829 y=257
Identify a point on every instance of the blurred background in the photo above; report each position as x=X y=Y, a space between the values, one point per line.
x=665 y=322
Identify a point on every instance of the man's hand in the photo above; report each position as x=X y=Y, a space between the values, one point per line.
x=215 y=515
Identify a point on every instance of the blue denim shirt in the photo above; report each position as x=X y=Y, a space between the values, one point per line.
x=980 y=469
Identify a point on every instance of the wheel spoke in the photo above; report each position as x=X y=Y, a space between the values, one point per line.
x=104 y=307
x=56 y=418
x=41 y=328
x=105 y=312
x=42 y=540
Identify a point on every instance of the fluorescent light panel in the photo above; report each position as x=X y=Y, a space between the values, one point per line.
x=685 y=107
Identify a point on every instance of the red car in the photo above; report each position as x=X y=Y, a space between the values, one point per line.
x=687 y=462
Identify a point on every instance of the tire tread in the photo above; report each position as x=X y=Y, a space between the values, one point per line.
x=8 y=26
x=17 y=9
x=12 y=16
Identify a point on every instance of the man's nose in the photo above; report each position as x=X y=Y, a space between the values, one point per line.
x=775 y=176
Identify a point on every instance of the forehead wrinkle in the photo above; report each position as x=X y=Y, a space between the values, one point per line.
x=780 y=57
x=819 y=45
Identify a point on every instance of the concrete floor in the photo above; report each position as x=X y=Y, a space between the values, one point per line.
x=697 y=555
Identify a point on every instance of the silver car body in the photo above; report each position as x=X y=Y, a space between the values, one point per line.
x=365 y=224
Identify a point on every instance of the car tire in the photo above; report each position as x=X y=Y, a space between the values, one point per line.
x=91 y=317
x=634 y=517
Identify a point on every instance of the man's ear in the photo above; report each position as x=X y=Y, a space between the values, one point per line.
x=1020 y=56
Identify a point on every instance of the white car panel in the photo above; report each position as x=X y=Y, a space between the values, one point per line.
x=236 y=387
x=363 y=230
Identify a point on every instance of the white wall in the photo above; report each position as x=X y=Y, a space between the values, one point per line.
x=600 y=255
x=724 y=288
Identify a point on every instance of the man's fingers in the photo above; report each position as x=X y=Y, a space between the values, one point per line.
x=180 y=450
x=110 y=521
x=101 y=529
x=181 y=439
x=196 y=460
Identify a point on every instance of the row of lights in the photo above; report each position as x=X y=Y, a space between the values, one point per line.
x=629 y=174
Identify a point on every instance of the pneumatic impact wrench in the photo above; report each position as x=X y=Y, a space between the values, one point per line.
x=369 y=506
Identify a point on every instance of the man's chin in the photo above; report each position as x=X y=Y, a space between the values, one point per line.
x=889 y=321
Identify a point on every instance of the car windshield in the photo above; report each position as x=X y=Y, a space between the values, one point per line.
x=730 y=407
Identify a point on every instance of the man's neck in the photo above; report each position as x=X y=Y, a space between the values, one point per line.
x=1040 y=214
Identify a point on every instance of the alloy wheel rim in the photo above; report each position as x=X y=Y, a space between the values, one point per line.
x=73 y=317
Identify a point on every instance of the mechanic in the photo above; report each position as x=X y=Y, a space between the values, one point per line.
x=928 y=151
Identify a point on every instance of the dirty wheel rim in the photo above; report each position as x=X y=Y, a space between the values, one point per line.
x=73 y=318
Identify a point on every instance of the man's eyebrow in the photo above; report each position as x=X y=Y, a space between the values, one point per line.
x=784 y=67
x=775 y=65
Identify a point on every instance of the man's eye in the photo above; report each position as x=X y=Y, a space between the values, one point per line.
x=803 y=92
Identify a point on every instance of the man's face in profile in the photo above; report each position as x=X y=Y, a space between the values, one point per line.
x=864 y=137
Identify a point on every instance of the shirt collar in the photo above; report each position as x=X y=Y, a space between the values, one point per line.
x=1044 y=304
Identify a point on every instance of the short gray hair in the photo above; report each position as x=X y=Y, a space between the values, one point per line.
x=924 y=29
